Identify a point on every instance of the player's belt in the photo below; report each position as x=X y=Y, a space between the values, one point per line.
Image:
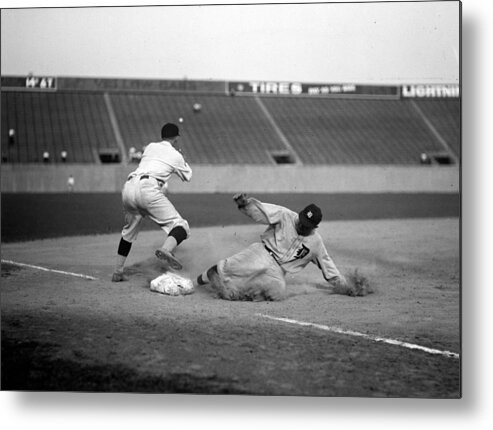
x=161 y=183
x=271 y=253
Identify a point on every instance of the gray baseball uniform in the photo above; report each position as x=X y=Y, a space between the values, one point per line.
x=259 y=270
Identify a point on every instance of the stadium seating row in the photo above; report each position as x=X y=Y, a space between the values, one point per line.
x=53 y=123
x=77 y=127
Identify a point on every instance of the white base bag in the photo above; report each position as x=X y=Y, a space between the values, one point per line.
x=172 y=285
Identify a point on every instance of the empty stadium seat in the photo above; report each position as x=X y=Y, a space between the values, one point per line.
x=55 y=122
x=227 y=130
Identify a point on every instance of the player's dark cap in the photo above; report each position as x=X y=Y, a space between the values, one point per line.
x=170 y=130
x=310 y=216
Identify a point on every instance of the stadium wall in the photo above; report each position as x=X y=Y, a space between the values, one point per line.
x=234 y=178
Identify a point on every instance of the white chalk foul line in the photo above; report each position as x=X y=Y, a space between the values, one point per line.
x=365 y=336
x=45 y=269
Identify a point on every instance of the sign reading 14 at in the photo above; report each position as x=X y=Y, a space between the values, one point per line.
x=40 y=82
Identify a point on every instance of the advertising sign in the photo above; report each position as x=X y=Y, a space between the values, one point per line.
x=431 y=91
x=306 y=89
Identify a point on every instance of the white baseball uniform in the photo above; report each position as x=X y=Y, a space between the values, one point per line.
x=143 y=194
x=260 y=269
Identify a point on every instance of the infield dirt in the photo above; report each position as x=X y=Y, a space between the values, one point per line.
x=61 y=333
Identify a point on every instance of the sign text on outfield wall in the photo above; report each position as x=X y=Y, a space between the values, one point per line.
x=431 y=91
x=299 y=88
x=41 y=82
x=151 y=85
x=29 y=82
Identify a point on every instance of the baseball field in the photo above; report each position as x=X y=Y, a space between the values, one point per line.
x=66 y=327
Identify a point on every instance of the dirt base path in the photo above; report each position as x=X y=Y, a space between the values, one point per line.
x=64 y=333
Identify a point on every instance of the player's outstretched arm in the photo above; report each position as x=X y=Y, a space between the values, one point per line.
x=355 y=286
x=339 y=283
x=241 y=199
x=263 y=213
x=252 y=208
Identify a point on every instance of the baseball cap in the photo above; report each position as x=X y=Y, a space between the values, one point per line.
x=170 y=130
x=311 y=216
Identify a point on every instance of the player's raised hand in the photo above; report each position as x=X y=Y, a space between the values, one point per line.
x=241 y=199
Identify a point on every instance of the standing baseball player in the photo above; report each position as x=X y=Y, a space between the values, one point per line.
x=144 y=195
x=289 y=243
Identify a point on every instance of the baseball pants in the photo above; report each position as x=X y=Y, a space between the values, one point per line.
x=144 y=198
x=251 y=274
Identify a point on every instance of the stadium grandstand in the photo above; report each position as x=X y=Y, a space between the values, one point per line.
x=89 y=121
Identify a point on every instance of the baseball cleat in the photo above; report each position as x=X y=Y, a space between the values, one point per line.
x=169 y=258
x=118 y=277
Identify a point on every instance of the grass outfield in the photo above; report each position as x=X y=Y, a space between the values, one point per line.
x=27 y=216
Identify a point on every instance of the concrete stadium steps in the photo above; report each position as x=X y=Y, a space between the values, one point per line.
x=74 y=122
x=445 y=115
x=341 y=131
x=227 y=130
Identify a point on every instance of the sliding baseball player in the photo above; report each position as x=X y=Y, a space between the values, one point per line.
x=289 y=244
